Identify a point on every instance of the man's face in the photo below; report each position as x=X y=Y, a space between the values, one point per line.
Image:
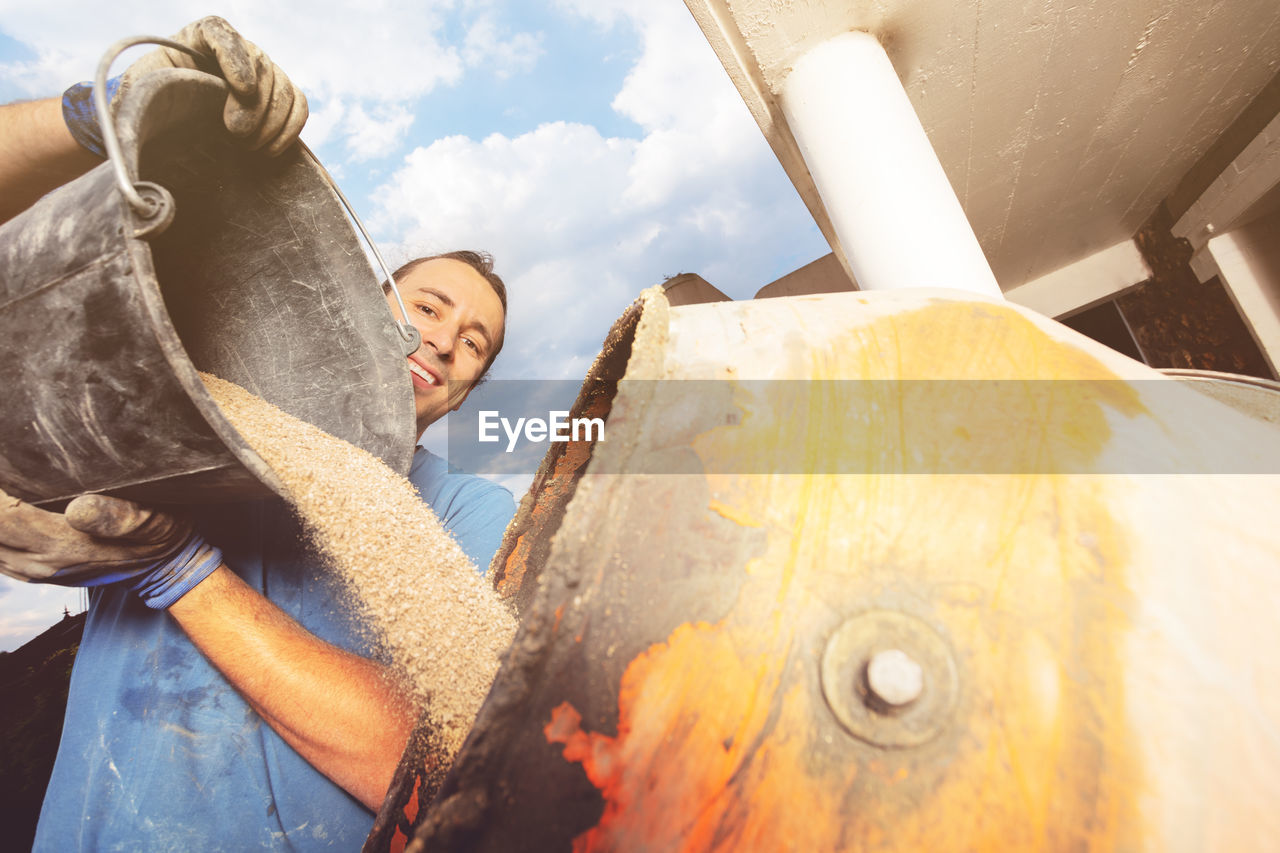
x=461 y=322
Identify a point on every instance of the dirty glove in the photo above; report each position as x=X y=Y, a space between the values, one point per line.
x=102 y=540
x=264 y=110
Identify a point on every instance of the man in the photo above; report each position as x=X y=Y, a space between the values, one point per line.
x=220 y=698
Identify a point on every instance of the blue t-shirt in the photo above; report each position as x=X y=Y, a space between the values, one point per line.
x=159 y=752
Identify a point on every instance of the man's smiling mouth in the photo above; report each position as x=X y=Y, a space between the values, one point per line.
x=417 y=370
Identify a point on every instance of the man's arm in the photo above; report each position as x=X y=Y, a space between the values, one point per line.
x=342 y=713
x=37 y=154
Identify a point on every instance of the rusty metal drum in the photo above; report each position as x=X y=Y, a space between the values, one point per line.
x=1003 y=588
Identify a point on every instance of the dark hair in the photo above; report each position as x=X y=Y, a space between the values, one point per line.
x=481 y=262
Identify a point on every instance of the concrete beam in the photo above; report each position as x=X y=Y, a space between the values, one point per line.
x=1085 y=283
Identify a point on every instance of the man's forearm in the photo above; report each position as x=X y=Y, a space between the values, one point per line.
x=341 y=712
x=37 y=154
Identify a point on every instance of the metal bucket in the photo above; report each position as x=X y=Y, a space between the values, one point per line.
x=251 y=271
x=919 y=656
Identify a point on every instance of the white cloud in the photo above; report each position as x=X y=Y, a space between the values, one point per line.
x=365 y=133
x=324 y=122
x=487 y=45
x=359 y=63
x=558 y=209
x=375 y=133
x=605 y=13
x=580 y=223
x=677 y=81
x=570 y=175
x=331 y=48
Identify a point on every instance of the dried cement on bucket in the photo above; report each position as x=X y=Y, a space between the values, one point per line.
x=435 y=616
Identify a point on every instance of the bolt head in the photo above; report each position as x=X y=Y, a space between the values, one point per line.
x=894 y=678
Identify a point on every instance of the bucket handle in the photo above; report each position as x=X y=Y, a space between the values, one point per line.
x=145 y=207
x=409 y=334
x=153 y=204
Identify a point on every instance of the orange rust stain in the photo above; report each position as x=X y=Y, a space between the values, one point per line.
x=1024 y=575
x=399 y=839
x=553 y=493
x=517 y=563
x=675 y=788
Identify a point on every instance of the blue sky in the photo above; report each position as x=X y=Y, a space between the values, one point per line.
x=595 y=147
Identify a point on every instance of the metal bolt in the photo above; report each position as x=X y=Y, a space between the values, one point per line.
x=894 y=678
x=874 y=679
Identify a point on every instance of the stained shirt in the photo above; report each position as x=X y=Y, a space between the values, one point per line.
x=158 y=750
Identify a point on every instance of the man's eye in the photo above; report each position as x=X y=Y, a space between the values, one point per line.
x=428 y=310
x=472 y=344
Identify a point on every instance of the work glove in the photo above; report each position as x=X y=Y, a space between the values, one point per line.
x=264 y=110
x=102 y=540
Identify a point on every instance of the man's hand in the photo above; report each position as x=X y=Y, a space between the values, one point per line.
x=264 y=108
x=102 y=540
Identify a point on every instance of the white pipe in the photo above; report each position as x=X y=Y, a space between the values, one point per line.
x=893 y=210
